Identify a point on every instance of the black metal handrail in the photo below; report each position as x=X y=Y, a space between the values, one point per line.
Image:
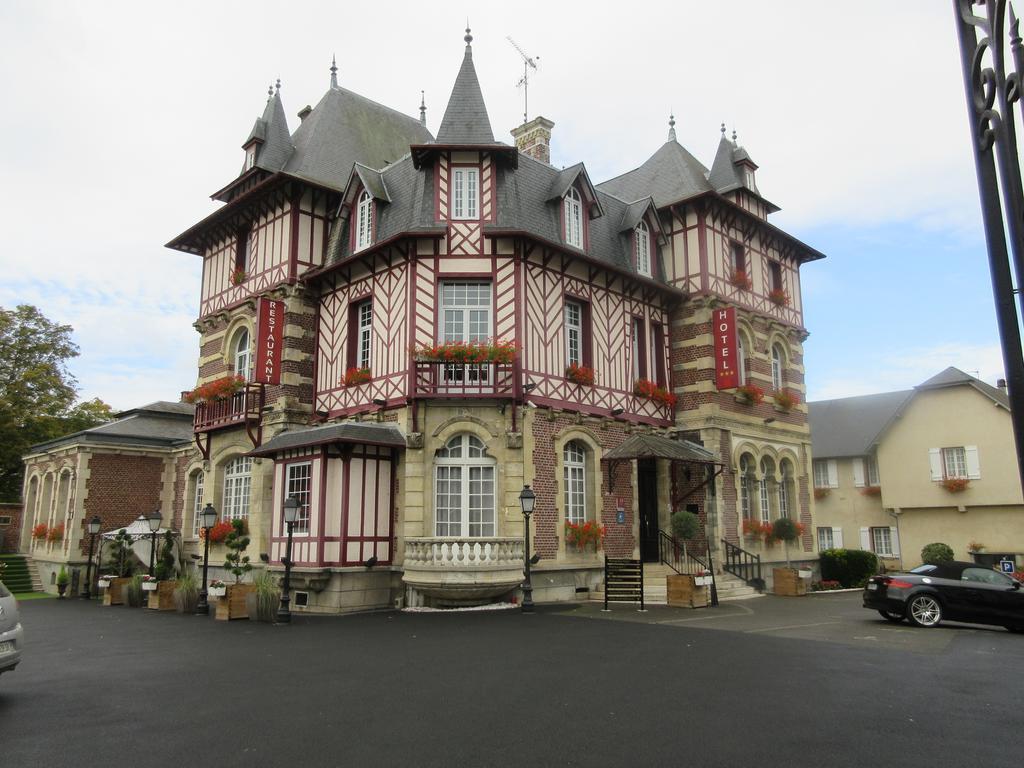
x=678 y=557
x=743 y=564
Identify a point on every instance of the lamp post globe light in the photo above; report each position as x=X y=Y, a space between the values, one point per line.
x=208 y=518
x=154 y=521
x=291 y=513
x=93 y=527
x=527 y=500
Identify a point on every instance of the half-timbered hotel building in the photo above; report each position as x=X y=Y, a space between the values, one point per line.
x=354 y=247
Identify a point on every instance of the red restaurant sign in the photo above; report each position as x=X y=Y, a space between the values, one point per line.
x=269 y=321
x=727 y=374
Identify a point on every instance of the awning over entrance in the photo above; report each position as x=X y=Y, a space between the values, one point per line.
x=355 y=432
x=658 y=447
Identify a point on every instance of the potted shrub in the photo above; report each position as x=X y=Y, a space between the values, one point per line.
x=162 y=597
x=234 y=606
x=133 y=591
x=938 y=552
x=62 y=582
x=687 y=590
x=787 y=580
x=265 y=597
x=186 y=592
x=120 y=563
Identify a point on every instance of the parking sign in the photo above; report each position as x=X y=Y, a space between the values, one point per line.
x=1006 y=566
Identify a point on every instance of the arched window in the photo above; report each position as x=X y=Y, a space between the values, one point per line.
x=741 y=359
x=364 y=221
x=463 y=488
x=237 y=484
x=786 y=479
x=778 y=361
x=746 y=485
x=574 y=464
x=642 y=237
x=767 y=472
x=195 y=499
x=573 y=218
x=242 y=353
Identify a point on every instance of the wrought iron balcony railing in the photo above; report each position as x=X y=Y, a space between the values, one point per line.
x=465 y=380
x=244 y=405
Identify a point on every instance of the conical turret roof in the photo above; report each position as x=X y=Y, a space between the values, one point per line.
x=465 y=119
x=272 y=129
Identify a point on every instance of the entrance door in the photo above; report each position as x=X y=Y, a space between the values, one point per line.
x=647 y=502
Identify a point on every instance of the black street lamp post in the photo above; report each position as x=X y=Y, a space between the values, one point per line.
x=154 y=521
x=93 y=528
x=209 y=519
x=527 y=500
x=291 y=511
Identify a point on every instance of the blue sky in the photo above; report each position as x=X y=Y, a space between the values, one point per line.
x=121 y=118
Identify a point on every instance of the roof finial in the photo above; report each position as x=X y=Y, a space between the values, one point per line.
x=270 y=92
x=277 y=85
x=423 y=108
x=334 y=71
x=723 y=130
x=671 y=126
x=734 y=136
x=469 y=37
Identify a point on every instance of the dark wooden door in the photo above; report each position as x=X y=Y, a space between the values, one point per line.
x=647 y=503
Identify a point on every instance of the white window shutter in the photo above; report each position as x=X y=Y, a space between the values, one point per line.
x=894 y=536
x=837 y=538
x=865 y=539
x=858 y=473
x=973 y=467
x=935 y=461
x=833 y=474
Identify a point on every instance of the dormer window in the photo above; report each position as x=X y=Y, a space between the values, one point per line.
x=250 y=156
x=573 y=218
x=364 y=221
x=642 y=239
x=465 y=193
x=748 y=177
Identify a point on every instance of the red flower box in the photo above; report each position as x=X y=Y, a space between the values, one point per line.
x=752 y=393
x=39 y=531
x=467 y=352
x=218 y=533
x=238 y=277
x=740 y=279
x=356 y=376
x=778 y=297
x=218 y=389
x=580 y=374
x=956 y=484
x=651 y=391
x=56 y=533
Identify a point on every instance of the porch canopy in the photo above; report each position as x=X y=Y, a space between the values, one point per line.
x=643 y=446
x=142 y=538
x=357 y=432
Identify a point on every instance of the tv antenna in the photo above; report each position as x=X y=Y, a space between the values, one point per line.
x=529 y=62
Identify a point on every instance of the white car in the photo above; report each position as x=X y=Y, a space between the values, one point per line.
x=11 y=633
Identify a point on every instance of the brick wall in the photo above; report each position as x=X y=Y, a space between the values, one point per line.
x=120 y=488
x=10 y=532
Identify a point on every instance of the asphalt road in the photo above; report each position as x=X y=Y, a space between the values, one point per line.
x=814 y=681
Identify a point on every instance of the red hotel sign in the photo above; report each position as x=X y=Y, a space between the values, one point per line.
x=727 y=374
x=269 y=321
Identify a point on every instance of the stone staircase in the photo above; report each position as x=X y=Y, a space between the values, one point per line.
x=21 y=574
x=656 y=592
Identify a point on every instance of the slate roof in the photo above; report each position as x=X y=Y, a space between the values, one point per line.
x=850 y=426
x=357 y=432
x=657 y=447
x=160 y=425
x=465 y=119
x=954 y=377
x=277 y=147
x=669 y=175
x=723 y=175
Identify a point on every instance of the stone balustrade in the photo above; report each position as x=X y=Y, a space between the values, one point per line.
x=460 y=571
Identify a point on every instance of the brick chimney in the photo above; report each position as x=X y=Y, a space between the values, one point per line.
x=534 y=138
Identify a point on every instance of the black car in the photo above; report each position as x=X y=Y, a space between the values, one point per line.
x=954 y=591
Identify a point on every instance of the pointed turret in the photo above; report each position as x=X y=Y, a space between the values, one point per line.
x=733 y=168
x=269 y=144
x=465 y=119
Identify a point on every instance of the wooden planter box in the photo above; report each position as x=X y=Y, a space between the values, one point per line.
x=788 y=582
x=162 y=599
x=114 y=594
x=234 y=604
x=684 y=593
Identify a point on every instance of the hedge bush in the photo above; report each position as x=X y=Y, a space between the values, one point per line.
x=850 y=567
x=936 y=553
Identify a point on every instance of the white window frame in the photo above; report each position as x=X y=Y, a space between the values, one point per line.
x=954 y=463
x=881 y=541
x=364 y=221
x=745 y=477
x=764 y=500
x=364 y=333
x=871 y=471
x=784 y=478
x=301 y=487
x=198 y=481
x=237 y=488
x=642 y=238
x=250 y=157
x=573 y=333
x=573 y=208
x=574 y=473
x=471 y=465
x=243 y=354
x=777 y=360
x=465 y=193
x=458 y=322
x=826 y=539
x=741 y=360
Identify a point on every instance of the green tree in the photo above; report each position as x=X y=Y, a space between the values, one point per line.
x=37 y=392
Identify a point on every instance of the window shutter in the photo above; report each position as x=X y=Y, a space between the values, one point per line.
x=865 y=539
x=894 y=536
x=858 y=473
x=837 y=538
x=833 y=474
x=973 y=467
x=935 y=460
